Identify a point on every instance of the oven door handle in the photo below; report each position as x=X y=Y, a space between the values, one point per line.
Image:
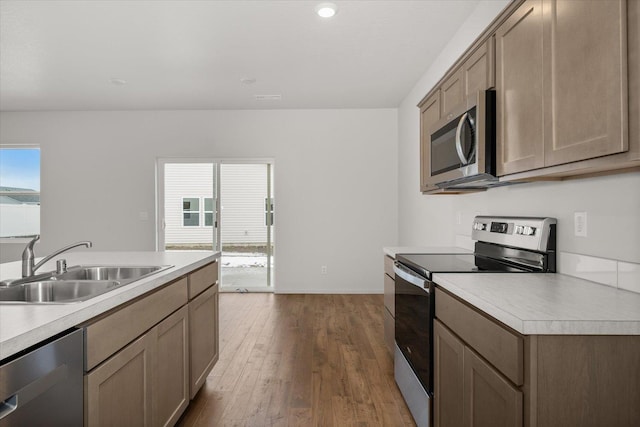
x=407 y=275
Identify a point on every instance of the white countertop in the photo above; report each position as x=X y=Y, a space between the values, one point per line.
x=548 y=303
x=22 y=326
x=392 y=251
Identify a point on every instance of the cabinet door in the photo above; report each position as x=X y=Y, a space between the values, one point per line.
x=429 y=114
x=118 y=392
x=203 y=337
x=448 y=378
x=489 y=399
x=519 y=91
x=171 y=393
x=452 y=92
x=479 y=69
x=585 y=48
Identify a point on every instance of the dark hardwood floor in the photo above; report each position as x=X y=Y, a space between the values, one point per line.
x=300 y=360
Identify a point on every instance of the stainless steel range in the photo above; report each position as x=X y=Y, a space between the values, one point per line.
x=503 y=244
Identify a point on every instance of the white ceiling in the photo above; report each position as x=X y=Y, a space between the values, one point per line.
x=61 y=55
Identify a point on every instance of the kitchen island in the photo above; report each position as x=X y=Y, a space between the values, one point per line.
x=24 y=325
x=148 y=345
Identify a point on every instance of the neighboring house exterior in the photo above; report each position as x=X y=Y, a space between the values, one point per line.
x=19 y=212
x=190 y=205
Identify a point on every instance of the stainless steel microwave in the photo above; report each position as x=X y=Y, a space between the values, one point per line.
x=462 y=146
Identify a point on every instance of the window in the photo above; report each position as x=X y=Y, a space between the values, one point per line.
x=19 y=192
x=208 y=212
x=190 y=211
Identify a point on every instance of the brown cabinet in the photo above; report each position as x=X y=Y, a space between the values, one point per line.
x=146 y=359
x=488 y=375
x=118 y=392
x=561 y=83
x=203 y=333
x=389 y=304
x=452 y=92
x=468 y=390
x=171 y=391
x=145 y=383
x=479 y=69
x=489 y=399
x=448 y=377
x=519 y=91
x=429 y=114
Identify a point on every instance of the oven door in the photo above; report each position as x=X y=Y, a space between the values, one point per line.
x=415 y=310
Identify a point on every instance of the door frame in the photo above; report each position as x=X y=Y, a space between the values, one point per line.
x=160 y=221
x=218 y=161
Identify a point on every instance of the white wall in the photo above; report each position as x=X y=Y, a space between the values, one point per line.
x=335 y=175
x=612 y=202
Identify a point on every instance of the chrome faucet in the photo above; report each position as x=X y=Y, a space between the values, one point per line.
x=28 y=256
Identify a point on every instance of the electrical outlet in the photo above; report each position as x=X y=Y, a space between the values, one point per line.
x=580 y=224
x=323 y=269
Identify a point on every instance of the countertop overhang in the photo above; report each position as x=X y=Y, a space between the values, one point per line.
x=24 y=325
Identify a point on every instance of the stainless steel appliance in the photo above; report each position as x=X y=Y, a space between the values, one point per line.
x=503 y=244
x=43 y=386
x=462 y=149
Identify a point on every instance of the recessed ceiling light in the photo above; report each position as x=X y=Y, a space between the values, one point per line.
x=326 y=10
x=118 y=82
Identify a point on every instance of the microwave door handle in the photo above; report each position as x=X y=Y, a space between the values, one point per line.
x=461 y=155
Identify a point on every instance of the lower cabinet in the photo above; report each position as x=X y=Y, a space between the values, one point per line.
x=489 y=399
x=488 y=375
x=203 y=315
x=468 y=391
x=118 y=392
x=448 y=392
x=171 y=391
x=389 y=310
x=144 y=384
x=146 y=360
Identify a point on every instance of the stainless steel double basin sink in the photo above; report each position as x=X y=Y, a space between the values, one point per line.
x=77 y=284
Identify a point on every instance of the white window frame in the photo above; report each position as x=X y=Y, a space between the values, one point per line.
x=205 y=212
x=199 y=212
x=24 y=147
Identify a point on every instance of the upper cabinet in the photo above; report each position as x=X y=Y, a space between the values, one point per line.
x=429 y=114
x=475 y=73
x=561 y=84
x=567 y=80
x=519 y=90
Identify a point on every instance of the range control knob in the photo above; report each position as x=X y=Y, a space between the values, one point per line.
x=479 y=226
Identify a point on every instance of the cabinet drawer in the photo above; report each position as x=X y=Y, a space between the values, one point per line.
x=502 y=348
x=388 y=266
x=201 y=279
x=115 y=330
x=390 y=295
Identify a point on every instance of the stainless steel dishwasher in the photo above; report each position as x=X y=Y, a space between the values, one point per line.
x=43 y=386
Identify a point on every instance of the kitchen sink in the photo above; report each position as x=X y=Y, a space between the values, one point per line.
x=56 y=291
x=108 y=272
x=77 y=284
